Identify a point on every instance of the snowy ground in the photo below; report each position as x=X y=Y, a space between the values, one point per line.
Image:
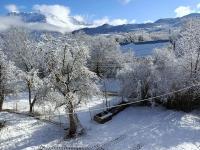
x=20 y=103
x=150 y=129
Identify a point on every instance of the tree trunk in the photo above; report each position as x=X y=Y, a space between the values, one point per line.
x=1 y=89
x=32 y=104
x=72 y=122
x=97 y=70
x=1 y=101
x=29 y=98
x=31 y=108
x=72 y=126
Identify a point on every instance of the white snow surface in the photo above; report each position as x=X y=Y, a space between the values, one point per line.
x=142 y=128
x=111 y=85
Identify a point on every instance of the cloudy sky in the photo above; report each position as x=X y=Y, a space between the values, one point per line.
x=98 y=12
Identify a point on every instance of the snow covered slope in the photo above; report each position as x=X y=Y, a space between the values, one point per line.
x=134 y=129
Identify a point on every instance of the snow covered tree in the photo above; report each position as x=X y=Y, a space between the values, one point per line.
x=188 y=50
x=7 y=77
x=177 y=68
x=72 y=80
x=170 y=78
x=169 y=74
x=105 y=57
x=137 y=79
x=23 y=51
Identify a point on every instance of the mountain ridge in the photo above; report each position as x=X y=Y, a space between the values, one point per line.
x=164 y=24
x=160 y=24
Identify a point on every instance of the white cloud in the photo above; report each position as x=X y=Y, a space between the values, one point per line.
x=46 y=27
x=183 y=10
x=79 y=18
x=59 y=15
x=198 y=5
x=99 y=22
x=125 y=1
x=148 y=21
x=133 y=21
x=106 y=20
x=6 y=22
x=58 y=18
x=9 y=21
x=12 y=8
x=117 y=22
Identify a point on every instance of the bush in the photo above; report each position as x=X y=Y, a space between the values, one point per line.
x=2 y=124
x=183 y=102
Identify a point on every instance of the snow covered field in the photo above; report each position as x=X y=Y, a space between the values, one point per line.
x=143 y=49
x=134 y=129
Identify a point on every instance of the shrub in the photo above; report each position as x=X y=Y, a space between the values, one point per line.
x=186 y=102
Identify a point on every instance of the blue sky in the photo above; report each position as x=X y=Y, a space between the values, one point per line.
x=126 y=10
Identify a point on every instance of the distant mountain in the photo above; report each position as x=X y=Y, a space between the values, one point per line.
x=34 y=17
x=159 y=25
x=29 y=17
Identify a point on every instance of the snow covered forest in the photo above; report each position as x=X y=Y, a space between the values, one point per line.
x=82 y=91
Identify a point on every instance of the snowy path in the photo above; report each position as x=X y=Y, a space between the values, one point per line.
x=140 y=128
x=22 y=132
